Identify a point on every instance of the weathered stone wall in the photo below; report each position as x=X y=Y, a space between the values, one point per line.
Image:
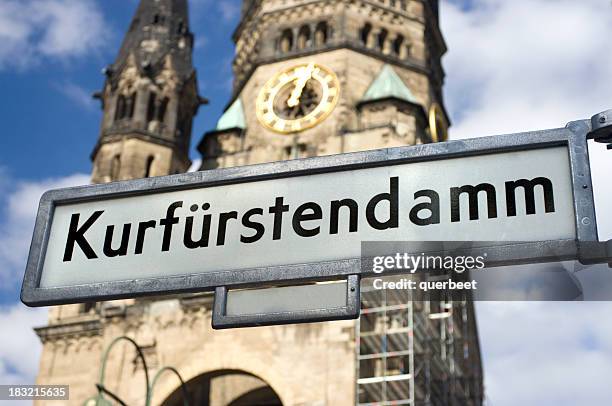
x=308 y=364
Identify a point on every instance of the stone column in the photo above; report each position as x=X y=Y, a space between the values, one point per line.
x=372 y=38
x=387 y=45
x=140 y=109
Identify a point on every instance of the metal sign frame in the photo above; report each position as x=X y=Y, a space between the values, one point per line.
x=351 y=309
x=574 y=136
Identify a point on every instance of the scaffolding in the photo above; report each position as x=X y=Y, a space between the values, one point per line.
x=414 y=351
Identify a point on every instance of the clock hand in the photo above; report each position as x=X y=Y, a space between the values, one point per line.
x=303 y=76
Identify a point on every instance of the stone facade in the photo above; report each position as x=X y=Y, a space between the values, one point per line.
x=357 y=38
x=303 y=364
x=149 y=100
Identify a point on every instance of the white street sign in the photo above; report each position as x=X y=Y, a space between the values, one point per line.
x=302 y=221
x=516 y=196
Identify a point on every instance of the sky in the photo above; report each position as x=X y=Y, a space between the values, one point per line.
x=512 y=66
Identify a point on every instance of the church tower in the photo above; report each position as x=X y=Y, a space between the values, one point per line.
x=326 y=77
x=311 y=77
x=149 y=98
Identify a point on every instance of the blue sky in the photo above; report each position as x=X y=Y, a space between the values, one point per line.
x=512 y=66
x=49 y=118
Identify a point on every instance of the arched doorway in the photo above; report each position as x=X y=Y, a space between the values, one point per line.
x=226 y=388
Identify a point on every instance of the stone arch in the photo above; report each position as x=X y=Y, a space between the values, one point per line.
x=304 y=37
x=226 y=388
x=364 y=34
x=322 y=33
x=209 y=365
x=381 y=40
x=398 y=46
x=149 y=166
x=115 y=168
x=286 y=41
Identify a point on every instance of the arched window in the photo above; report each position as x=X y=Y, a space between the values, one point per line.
x=149 y=166
x=365 y=33
x=115 y=167
x=398 y=43
x=125 y=106
x=156 y=108
x=156 y=19
x=151 y=107
x=321 y=33
x=161 y=110
x=304 y=40
x=382 y=38
x=181 y=28
x=120 y=109
x=286 y=41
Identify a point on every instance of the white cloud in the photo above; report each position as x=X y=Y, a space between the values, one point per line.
x=34 y=30
x=546 y=353
x=77 y=95
x=526 y=64
x=230 y=10
x=523 y=65
x=16 y=227
x=19 y=347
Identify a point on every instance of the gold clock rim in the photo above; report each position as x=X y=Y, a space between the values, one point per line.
x=436 y=112
x=268 y=86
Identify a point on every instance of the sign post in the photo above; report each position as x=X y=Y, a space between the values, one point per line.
x=303 y=221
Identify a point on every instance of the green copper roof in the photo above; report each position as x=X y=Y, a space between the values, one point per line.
x=388 y=84
x=232 y=118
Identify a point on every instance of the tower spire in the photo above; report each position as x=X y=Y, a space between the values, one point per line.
x=150 y=97
x=158 y=29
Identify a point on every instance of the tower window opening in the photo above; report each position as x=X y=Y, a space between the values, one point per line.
x=159 y=19
x=398 y=45
x=161 y=109
x=151 y=107
x=286 y=41
x=149 y=166
x=321 y=33
x=125 y=106
x=115 y=167
x=120 y=109
x=365 y=33
x=304 y=40
x=181 y=28
x=382 y=38
x=131 y=104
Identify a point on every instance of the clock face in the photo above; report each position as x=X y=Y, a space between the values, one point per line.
x=297 y=98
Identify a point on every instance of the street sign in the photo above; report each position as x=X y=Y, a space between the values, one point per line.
x=304 y=220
